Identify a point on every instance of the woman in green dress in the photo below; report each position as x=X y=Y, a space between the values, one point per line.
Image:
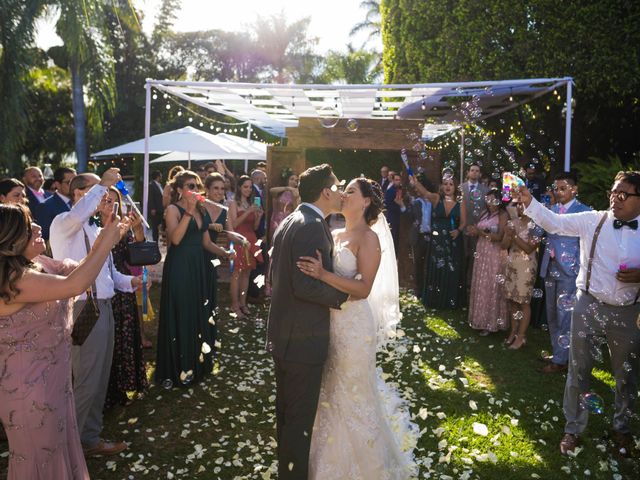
x=184 y=331
x=444 y=285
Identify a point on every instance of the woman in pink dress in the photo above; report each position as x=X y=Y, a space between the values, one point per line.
x=487 y=304
x=36 y=397
x=244 y=218
x=286 y=201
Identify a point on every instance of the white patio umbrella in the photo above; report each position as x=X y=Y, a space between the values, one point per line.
x=230 y=147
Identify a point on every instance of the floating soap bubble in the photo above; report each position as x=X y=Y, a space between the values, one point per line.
x=468 y=141
x=475 y=194
x=424 y=155
x=447 y=173
x=567 y=258
x=592 y=402
x=352 y=125
x=567 y=302
x=468 y=160
x=328 y=117
x=564 y=341
x=167 y=384
x=537 y=293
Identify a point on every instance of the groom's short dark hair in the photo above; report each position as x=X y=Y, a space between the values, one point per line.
x=313 y=180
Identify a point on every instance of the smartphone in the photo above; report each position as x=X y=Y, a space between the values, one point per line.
x=257 y=202
x=116 y=208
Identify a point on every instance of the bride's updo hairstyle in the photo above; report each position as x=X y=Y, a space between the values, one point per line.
x=371 y=189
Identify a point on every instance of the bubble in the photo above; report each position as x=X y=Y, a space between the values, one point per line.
x=352 y=125
x=537 y=293
x=328 y=117
x=567 y=302
x=468 y=141
x=167 y=384
x=567 y=258
x=564 y=341
x=468 y=160
x=592 y=402
x=424 y=155
x=259 y=323
x=440 y=263
x=479 y=152
x=475 y=194
x=476 y=254
x=500 y=279
x=447 y=173
x=626 y=367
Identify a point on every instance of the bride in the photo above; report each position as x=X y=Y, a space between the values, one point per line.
x=360 y=429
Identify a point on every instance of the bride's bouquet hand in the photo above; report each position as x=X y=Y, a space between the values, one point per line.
x=312 y=266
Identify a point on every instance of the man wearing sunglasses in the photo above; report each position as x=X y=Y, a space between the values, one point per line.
x=607 y=304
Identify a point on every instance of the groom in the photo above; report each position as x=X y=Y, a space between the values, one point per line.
x=298 y=331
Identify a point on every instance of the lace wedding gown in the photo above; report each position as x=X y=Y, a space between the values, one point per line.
x=361 y=430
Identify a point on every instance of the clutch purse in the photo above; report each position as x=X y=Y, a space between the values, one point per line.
x=143 y=253
x=85 y=316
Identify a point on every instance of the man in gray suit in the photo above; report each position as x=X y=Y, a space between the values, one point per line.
x=298 y=330
x=473 y=193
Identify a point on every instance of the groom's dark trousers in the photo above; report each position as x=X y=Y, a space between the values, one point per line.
x=298 y=334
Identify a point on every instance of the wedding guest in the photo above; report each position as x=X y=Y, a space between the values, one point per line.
x=184 y=354
x=128 y=369
x=256 y=289
x=60 y=201
x=35 y=347
x=167 y=191
x=487 y=303
x=49 y=186
x=473 y=193
x=155 y=211
x=521 y=238
x=36 y=195
x=394 y=207
x=607 y=305
x=444 y=284
x=384 y=178
x=244 y=216
x=12 y=191
x=420 y=232
x=202 y=173
x=229 y=189
x=559 y=268
x=287 y=199
x=71 y=236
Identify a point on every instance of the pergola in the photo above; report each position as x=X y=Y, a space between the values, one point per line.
x=385 y=114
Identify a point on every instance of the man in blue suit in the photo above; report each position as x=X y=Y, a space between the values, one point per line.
x=559 y=268
x=394 y=206
x=60 y=201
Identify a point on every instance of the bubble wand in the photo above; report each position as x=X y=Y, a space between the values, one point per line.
x=145 y=293
x=122 y=188
x=405 y=160
x=232 y=251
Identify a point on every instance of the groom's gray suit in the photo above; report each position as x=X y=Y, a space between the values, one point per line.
x=298 y=333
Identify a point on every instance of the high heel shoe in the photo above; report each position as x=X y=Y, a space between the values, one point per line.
x=510 y=339
x=244 y=309
x=515 y=345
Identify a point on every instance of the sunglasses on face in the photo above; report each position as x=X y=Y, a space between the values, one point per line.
x=621 y=196
x=190 y=186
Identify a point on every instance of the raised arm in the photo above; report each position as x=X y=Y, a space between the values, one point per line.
x=434 y=198
x=572 y=224
x=368 y=262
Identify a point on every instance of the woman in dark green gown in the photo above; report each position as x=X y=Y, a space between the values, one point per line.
x=185 y=331
x=444 y=284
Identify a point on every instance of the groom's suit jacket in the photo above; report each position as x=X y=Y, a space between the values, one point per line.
x=298 y=329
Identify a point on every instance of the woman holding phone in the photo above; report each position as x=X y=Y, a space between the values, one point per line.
x=245 y=213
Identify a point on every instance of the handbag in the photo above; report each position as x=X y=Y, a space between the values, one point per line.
x=85 y=312
x=143 y=253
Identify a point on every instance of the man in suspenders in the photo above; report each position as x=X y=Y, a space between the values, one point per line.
x=606 y=306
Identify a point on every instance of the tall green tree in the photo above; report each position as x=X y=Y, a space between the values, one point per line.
x=597 y=42
x=17 y=30
x=83 y=29
x=353 y=67
x=371 y=22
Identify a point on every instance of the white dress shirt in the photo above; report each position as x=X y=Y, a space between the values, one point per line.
x=615 y=247
x=67 y=241
x=314 y=208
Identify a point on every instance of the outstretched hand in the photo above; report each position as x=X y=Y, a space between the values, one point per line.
x=312 y=266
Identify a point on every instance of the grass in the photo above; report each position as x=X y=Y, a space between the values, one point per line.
x=455 y=382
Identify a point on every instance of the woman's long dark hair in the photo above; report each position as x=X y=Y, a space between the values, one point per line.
x=15 y=234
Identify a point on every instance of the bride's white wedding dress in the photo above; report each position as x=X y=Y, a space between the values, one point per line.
x=361 y=429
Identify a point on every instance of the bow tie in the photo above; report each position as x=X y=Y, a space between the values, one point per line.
x=632 y=224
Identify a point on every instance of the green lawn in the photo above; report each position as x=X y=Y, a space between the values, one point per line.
x=224 y=428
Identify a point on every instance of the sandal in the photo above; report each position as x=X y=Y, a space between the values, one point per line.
x=244 y=309
x=238 y=313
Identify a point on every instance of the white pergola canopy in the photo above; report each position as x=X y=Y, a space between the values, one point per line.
x=443 y=106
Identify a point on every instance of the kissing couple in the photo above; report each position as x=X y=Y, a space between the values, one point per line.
x=334 y=303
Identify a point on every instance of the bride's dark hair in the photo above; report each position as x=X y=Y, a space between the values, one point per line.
x=371 y=189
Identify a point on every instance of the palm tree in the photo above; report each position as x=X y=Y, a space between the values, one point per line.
x=371 y=20
x=17 y=31
x=90 y=62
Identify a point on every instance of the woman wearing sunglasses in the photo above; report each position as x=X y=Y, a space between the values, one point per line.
x=186 y=333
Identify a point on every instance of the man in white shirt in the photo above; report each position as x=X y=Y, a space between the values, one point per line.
x=91 y=361
x=607 y=303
